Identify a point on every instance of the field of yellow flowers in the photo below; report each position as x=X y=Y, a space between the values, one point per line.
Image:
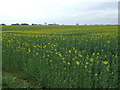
x=63 y=56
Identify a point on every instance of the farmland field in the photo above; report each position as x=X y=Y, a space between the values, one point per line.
x=62 y=56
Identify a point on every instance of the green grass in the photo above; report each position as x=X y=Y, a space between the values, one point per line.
x=65 y=56
x=17 y=80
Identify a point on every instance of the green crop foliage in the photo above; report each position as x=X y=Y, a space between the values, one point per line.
x=63 y=56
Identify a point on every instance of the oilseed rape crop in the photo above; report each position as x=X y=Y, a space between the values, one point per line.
x=63 y=56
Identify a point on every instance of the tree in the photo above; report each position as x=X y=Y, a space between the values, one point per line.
x=3 y=24
x=77 y=23
x=34 y=24
x=24 y=24
x=15 y=24
x=45 y=23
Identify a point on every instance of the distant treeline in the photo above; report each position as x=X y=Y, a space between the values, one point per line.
x=53 y=24
x=28 y=24
x=3 y=24
x=20 y=24
x=15 y=24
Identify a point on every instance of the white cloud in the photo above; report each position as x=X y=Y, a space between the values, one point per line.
x=68 y=11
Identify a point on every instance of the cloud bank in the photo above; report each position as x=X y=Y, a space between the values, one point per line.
x=59 y=11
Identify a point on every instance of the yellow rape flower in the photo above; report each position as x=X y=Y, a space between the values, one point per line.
x=78 y=63
x=9 y=41
x=96 y=74
x=89 y=71
x=76 y=51
x=98 y=53
x=73 y=48
x=64 y=62
x=69 y=51
x=56 y=53
x=93 y=54
x=83 y=51
x=36 y=53
x=85 y=66
x=73 y=59
x=97 y=57
x=35 y=46
x=44 y=46
x=108 y=68
x=64 y=68
x=60 y=55
x=91 y=59
x=108 y=41
x=105 y=62
x=29 y=50
x=68 y=63
x=51 y=60
x=47 y=51
x=80 y=55
x=87 y=62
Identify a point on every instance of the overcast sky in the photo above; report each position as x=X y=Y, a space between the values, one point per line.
x=59 y=11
